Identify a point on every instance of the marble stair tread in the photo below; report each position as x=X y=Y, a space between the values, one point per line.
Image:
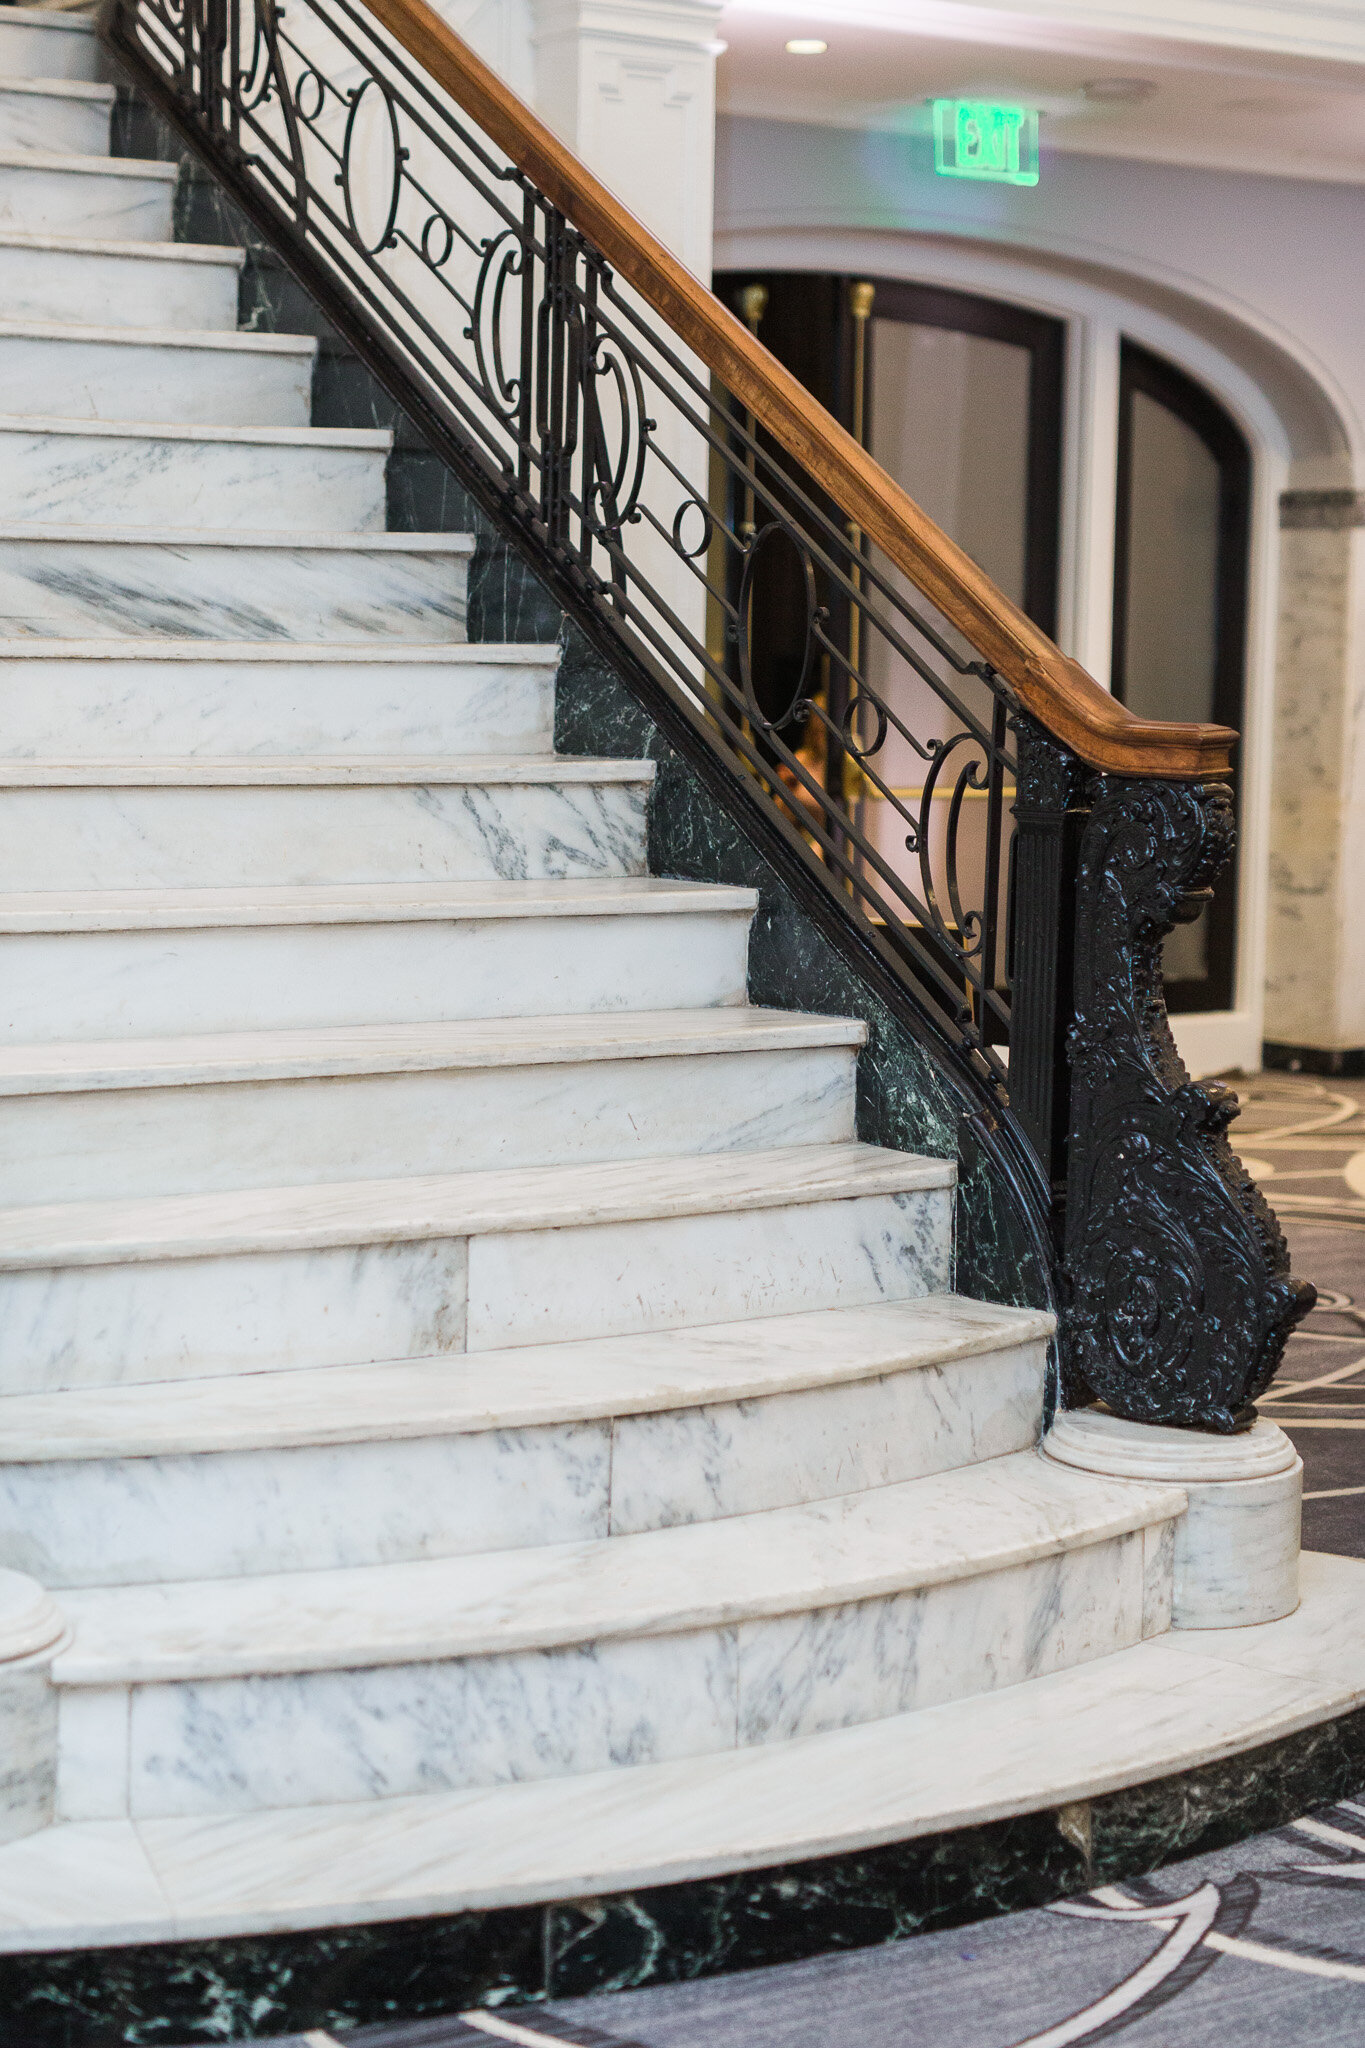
x=295 y=540
x=98 y=245
x=378 y=440
x=257 y=771
x=212 y=1058
x=443 y=653
x=456 y=1205
x=57 y=88
x=1138 y=1716
x=114 y=910
x=526 y=1387
x=861 y=1546
x=235 y=340
x=95 y=166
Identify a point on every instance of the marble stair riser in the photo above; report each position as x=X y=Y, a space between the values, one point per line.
x=126 y=838
x=122 y=205
x=122 y=706
x=107 y=1144
x=137 y=285
x=154 y=1520
x=74 y=123
x=146 y=983
x=146 y=1320
x=65 y=374
x=56 y=475
x=243 y=590
x=61 y=49
x=237 y=1745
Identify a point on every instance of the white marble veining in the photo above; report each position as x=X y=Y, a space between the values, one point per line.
x=191 y=1318
x=802 y=1674
x=62 y=581
x=609 y=1279
x=425 y=1470
x=521 y=1389
x=31 y=1629
x=137 y=700
x=365 y=957
x=145 y=1521
x=56 y=279
x=166 y=373
x=50 y=114
x=59 y=472
x=736 y=1457
x=1158 y=1577
x=37 y=44
x=92 y=1753
x=46 y=192
x=71 y=1147
x=1237 y=1546
x=428 y=827
x=618 y=1652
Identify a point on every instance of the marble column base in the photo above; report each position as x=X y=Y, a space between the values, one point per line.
x=32 y=1629
x=1237 y=1546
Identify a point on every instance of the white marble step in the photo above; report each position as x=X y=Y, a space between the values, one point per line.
x=60 y=581
x=170 y=374
x=278 y=1279
x=199 y=824
x=85 y=1122
x=136 y=699
x=102 y=472
x=35 y=43
x=54 y=114
x=59 y=279
x=554 y=1443
x=1164 y=1706
x=148 y=963
x=44 y=191
x=309 y=1688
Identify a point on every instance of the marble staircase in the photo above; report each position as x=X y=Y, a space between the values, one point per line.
x=456 y=1348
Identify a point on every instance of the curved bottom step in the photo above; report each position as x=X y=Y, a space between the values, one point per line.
x=673 y=1840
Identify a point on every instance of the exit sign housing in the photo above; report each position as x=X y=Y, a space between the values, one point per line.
x=980 y=139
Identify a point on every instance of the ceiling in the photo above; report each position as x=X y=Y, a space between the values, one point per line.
x=1237 y=109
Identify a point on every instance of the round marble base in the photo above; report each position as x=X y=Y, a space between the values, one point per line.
x=1237 y=1546
x=31 y=1631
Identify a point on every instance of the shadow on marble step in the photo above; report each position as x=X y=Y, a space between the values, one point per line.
x=1176 y=1747
x=548 y=1662
x=61 y=472
x=55 y=280
x=190 y=825
x=143 y=963
x=44 y=192
x=444 y=1114
x=162 y=374
x=549 y=1444
x=37 y=44
x=201 y=1286
x=67 y=116
x=60 y=582
x=209 y=699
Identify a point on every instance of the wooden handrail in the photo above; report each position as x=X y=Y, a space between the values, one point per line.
x=1061 y=695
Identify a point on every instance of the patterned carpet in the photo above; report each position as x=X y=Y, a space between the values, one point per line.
x=1260 y=1944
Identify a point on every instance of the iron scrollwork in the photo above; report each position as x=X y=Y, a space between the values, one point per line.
x=1181 y=1297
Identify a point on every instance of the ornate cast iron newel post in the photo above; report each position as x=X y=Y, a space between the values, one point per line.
x=1178 y=1275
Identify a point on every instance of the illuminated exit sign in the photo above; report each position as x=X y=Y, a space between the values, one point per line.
x=977 y=139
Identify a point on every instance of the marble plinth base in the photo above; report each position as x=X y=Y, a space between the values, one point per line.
x=1237 y=1546
x=31 y=1631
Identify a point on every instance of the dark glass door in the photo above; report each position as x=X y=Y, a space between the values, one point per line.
x=1180 y=603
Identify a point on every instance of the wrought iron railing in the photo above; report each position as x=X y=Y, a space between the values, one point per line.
x=928 y=760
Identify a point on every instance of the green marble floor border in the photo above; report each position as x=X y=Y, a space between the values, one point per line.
x=338 y=1978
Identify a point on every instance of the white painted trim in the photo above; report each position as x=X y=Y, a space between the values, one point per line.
x=1096 y=317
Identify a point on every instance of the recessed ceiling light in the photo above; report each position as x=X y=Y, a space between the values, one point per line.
x=1118 y=92
x=806 y=46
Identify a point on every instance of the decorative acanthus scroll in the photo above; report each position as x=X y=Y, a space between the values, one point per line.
x=1181 y=1297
